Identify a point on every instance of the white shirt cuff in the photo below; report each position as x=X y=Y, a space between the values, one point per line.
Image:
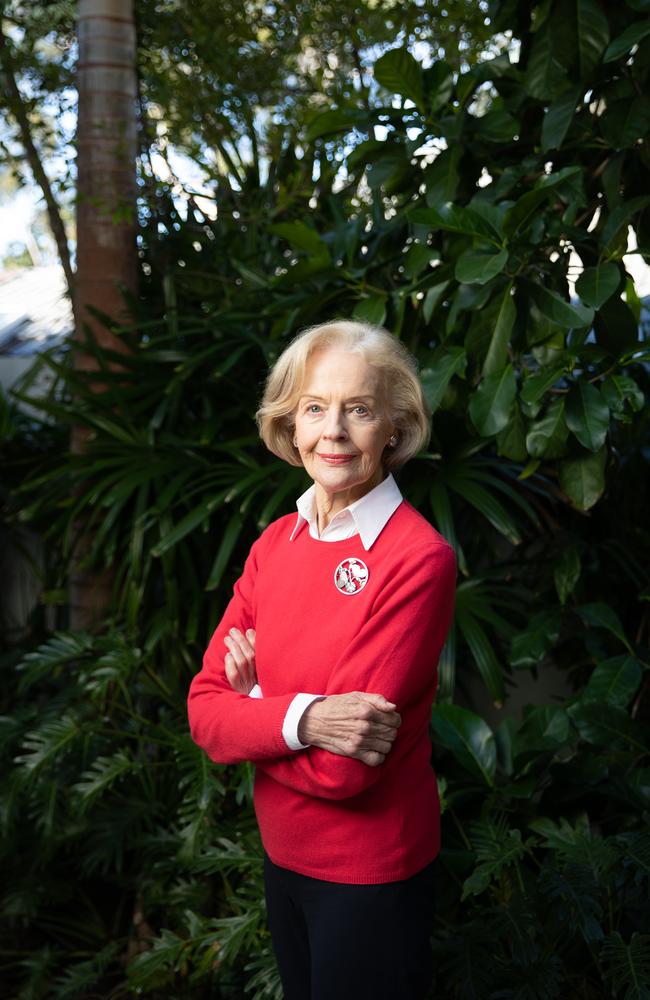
x=291 y=720
x=255 y=692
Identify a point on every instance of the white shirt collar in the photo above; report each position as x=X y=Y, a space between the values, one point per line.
x=367 y=516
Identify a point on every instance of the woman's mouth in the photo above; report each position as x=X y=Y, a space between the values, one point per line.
x=336 y=459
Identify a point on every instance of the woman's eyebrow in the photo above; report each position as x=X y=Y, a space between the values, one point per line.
x=322 y=399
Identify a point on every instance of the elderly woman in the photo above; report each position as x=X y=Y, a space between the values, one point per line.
x=322 y=672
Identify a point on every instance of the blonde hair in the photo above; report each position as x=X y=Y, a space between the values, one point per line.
x=398 y=370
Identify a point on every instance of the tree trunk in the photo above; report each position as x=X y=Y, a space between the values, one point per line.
x=106 y=222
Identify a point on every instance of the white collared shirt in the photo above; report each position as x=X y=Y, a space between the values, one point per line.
x=366 y=517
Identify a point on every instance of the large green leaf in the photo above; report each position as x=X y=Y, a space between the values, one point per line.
x=442 y=176
x=511 y=440
x=616 y=328
x=545 y=76
x=557 y=119
x=477 y=300
x=558 y=309
x=583 y=478
x=432 y=298
x=491 y=212
x=547 y=437
x=626 y=122
x=438 y=79
x=607 y=726
x=536 y=385
x=621 y=216
x=447 y=362
x=497 y=353
x=601 y=615
x=398 y=71
x=597 y=284
x=479 y=266
x=614 y=681
x=490 y=406
x=627 y=966
x=505 y=851
x=417 y=259
x=527 y=205
x=587 y=415
x=498 y=125
x=487 y=504
x=302 y=236
x=456 y=219
x=371 y=310
x=484 y=655
x=468 y=737
x=633 y=34
x=544 y=727
x=389 y=168
x=334 y=121
x=592 y=31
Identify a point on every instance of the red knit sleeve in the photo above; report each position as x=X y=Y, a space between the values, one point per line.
x=229 y=726
x=394 y=654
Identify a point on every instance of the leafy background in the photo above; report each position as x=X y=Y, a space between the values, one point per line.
x=478 y=205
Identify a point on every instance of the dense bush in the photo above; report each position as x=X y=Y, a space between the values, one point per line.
x=446 y=207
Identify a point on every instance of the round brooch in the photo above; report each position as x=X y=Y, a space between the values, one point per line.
x=351 y=576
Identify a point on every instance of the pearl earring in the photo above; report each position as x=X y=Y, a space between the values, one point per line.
x=393 y=441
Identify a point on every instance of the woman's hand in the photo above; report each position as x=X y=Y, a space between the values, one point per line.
x=358 y=724
x=239 y=661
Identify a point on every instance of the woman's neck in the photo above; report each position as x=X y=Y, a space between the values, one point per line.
x=328 y=505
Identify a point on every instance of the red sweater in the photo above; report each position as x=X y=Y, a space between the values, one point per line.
x=321 y=814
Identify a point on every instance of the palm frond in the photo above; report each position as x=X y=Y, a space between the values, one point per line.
x=102 y=775
x=50 y=743
x=79 y=978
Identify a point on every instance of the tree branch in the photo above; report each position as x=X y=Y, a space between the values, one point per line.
x=17 y=107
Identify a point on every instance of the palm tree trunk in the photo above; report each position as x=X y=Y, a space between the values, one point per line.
x=106 y=223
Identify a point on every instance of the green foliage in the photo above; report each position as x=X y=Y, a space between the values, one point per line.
x=442 y=199
x=549 y=888
x=629 y=965
x=113 y=813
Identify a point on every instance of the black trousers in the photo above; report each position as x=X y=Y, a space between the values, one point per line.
x=351 y=942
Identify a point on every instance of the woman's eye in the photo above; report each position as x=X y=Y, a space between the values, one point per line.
x=360 y=411
x=313 y=408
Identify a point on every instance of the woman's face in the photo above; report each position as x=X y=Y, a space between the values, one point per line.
x=341 y=423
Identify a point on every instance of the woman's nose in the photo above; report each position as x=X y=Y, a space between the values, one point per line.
x=335 y=425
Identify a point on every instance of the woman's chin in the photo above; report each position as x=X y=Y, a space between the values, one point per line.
x=342 y=479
